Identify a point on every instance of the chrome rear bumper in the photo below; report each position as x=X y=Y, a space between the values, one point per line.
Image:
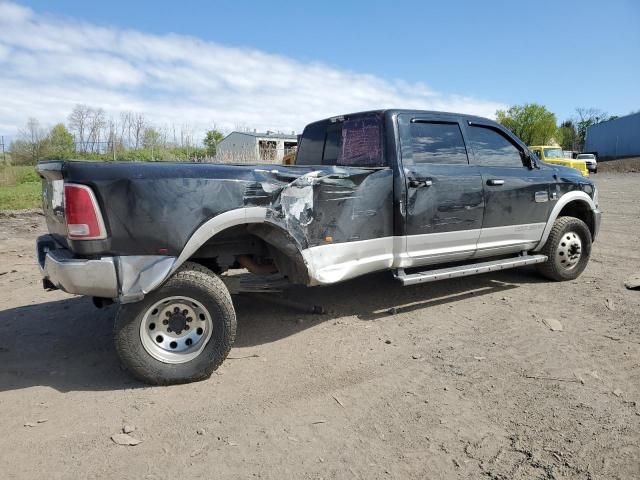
x=122 y=278
x=93 y=277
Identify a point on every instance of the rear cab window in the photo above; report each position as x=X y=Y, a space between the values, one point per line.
x=353 y=141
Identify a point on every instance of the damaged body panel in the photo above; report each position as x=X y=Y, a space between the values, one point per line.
x=369 y=192
x=376 y=191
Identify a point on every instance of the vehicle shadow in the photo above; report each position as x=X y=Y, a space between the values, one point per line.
x=67 y=344
x=369 y=298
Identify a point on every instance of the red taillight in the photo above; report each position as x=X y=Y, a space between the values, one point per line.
x=84 y=220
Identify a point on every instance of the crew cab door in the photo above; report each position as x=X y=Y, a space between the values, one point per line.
x=444 y=195
x=516 y=198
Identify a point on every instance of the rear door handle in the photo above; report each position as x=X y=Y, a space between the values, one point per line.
x=495 y=181
x=420 y=182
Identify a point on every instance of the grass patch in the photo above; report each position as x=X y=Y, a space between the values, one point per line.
x=20 y=187
x=18 y=197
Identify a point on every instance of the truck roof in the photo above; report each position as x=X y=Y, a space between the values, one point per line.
x=395 y=111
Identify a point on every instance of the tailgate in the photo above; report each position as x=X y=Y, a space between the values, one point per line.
x=51 y=174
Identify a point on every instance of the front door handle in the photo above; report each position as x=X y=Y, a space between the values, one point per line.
x=420 y=182
x=495 y=181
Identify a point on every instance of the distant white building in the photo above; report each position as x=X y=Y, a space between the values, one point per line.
x=255 y=147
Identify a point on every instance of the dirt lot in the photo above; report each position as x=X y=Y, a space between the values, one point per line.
x=624 y=165
x=464 y=380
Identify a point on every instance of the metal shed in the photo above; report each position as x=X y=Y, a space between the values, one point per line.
x=255 y=147
x=615 y=138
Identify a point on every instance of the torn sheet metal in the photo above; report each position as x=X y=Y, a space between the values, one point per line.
x=155 y=209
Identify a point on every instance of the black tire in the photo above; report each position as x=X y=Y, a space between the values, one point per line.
x=201 y=284
x=553 y=268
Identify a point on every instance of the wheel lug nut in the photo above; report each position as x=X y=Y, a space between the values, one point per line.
x=167 y=314
x=185 y=312
x=169 y=329
x=186 y=327
x=176 y=310
x=189 y=319
x=165 y=322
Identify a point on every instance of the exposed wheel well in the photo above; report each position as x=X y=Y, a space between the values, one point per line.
x=257 y=247
x=579 y=209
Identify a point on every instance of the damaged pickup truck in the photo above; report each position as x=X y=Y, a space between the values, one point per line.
x=424 y=195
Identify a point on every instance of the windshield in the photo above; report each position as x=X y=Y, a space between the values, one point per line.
x=553 y=153
x=586 y=156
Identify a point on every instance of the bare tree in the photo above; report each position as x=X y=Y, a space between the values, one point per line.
x=138 y=125
x=243 y=127
x=96 y=124
x=78 y=124
x=587 y=117
x=125 y=128
x=37 y=138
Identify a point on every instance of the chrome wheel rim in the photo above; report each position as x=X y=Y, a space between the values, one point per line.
x=176 y=329
x=569 y=250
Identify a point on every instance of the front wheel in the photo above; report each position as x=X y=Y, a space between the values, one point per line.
x=179 y=333
x=568 y=249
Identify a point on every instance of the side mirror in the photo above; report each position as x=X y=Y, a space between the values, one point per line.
x=529 y=159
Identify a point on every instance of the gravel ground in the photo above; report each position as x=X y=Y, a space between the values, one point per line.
x=457 y=379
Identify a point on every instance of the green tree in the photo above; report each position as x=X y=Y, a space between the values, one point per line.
x=211 y=140
x=533 y=123
x=569 y=135
x=151 y=141
x=151 y=138
x=61 y=144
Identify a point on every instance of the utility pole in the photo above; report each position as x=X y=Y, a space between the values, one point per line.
x=113 y=141
x=4 y=158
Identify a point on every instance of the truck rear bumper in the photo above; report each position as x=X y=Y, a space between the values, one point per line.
x=122 y=278
x=93 y=277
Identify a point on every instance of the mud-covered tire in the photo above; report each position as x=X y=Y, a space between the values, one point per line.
x=561 y=239
x=192 y=281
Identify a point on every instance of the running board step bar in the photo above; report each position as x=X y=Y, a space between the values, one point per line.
x=466 y=270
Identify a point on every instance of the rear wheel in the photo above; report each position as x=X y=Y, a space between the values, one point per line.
x=568 y=248
x=181 y=332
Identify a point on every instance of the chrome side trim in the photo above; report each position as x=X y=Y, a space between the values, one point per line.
x=458 y=242
x=333 y=263
x=562 y=202
x=217 y=224
x=541 y=197
x=466 y=270
x=498 y=237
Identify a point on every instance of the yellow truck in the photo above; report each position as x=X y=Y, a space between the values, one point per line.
x=550 y=154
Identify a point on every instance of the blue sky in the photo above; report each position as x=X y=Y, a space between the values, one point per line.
x=468 y=56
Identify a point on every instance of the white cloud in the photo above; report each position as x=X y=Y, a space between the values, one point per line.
x=49 y=64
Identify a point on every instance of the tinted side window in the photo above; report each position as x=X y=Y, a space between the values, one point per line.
x=311 y=145
x=493 y=149
x=332 y=144
x=433 y=142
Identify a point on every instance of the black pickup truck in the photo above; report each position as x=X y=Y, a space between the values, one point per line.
x=425 y=195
